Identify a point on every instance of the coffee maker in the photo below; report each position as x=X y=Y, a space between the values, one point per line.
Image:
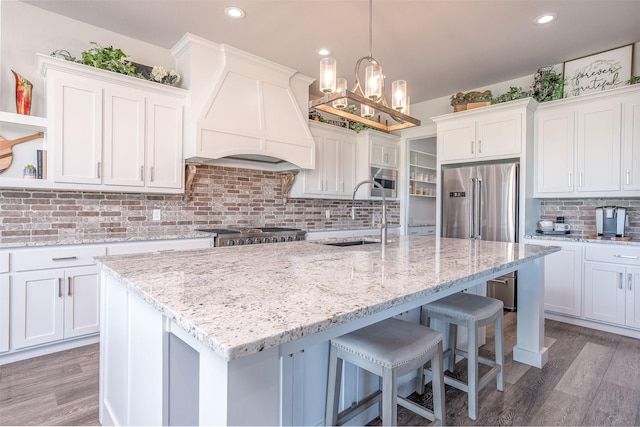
x=610 y=221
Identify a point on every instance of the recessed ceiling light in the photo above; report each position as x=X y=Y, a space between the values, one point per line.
x=323 y=51
x=235 y=12
x=546 y=18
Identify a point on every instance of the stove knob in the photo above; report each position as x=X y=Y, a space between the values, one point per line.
x=240 y=242
x=230 y=242
x=274 y=239
x=283 y=239
x=290 y=239
x=249 y=241
x=258 y=240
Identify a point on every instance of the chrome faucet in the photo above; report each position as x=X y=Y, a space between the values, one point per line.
x=383 y=223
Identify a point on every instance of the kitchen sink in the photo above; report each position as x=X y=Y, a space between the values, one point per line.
x=351 y=243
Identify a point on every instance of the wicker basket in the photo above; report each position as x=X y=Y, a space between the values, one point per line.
x=472 y=105
x=459 y=107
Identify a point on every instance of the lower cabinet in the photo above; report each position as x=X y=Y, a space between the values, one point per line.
x=50 y=305
x=612 y=293
x=4 y=313
x=563 y=280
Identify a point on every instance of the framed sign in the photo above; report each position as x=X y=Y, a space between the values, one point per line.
x=598 y=72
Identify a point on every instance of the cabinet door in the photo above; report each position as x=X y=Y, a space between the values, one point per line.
x=598 y=147
x=4 y=312
x=604 y=292
x=563 y=281
x=82 y=301
x=555 y=151
x=313 y=178
x=499 y=135
x=124 y=111
x=631 y=144
x=164 y=142
x=77 y=117
x=37 y=305
x=347 y=166
x=633 y=297
x=331 y=164
x=456 y=141
x=383 y=152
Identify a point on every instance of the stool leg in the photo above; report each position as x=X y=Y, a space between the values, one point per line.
x=499 y=339
x=437 y=384
x=453 y=342
x=389 y=407
x=472 y=362
x=333 y=387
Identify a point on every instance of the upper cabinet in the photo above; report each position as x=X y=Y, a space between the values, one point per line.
x=483 y=134
x=112 y=132
x=588 y=146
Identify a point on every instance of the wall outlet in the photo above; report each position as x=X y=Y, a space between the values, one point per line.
x=156 y=214
x=327 y=213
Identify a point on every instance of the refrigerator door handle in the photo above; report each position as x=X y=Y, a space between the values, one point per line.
x=478 y=206
x=472 y=210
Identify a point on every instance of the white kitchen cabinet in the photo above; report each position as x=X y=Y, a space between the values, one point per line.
x=50 y=305
x=334 y=175
x=383 y=148
x=588 y=146
x=4 y=312
x=631 y=143
x=612 y=280
x=484 y=133
x=563 y=280
x=112 y=132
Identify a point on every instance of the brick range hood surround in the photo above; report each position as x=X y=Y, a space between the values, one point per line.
x=243 y=110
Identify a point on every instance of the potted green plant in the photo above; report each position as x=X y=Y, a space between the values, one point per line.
x=108 y=58
x=634 y=80
x=478 y=99
x=513 y=94
x=29 y=172
x=547 y=85
x=459 y=102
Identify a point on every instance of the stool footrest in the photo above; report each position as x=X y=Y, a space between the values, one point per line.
x=359 y=407
x=414 y=407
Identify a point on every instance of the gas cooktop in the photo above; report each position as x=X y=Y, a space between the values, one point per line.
x=250 y=236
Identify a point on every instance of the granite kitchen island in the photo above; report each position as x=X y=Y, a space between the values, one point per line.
x=209 y=336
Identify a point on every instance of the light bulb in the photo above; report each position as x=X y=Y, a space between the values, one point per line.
x=399 y=97
x=366 y=111
x=373 y=79
x=341 y=84
x=327 y=81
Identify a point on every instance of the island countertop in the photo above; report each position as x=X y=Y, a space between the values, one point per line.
x=242 y=300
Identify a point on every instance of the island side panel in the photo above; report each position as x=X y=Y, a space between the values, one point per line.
x=530 y=347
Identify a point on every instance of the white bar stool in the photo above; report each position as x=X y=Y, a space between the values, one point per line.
x=389 y=349
x=472 y=311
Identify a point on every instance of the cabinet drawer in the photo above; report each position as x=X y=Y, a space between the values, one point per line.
x=4 y=262
x=54 y=257
x=158 y=246
x=614 y=254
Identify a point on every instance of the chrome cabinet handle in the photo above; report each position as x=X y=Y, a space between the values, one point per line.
x=98 y=170
x=151 y=173
x=472 y=147
x=620 y=280
x=629 y=277
x=69 y=284
x=65 y=258
x=569 y=180
x=625 y=256
x=59 y=287
x=628 y=173
x=141 y=173
x=479 y=146
x=580 y=179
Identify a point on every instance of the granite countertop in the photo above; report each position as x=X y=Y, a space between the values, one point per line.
x=241 y=300
x=576 y=238
x=97 y=238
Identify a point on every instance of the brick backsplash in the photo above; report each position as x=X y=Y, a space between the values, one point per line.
x=581 y=215
x=222 y=197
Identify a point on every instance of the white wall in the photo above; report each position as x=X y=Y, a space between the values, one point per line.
x=26 y=30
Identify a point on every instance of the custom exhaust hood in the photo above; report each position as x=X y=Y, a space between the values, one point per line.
x=242 y=110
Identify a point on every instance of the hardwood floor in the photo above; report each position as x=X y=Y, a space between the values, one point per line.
x=592 y=378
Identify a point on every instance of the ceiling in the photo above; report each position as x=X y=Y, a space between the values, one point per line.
x=438 y=46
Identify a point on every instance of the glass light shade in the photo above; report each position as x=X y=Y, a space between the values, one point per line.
x=327 y=81
x=373 y=82
x=366 y=111
x=399 y=95
x=341 y=84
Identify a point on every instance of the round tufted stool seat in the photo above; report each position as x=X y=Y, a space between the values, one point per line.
x=390 y=348
x=473 y=312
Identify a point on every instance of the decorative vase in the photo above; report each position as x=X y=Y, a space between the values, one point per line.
x=29 y=173
x=23 y=94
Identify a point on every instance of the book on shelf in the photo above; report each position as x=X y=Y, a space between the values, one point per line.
x=41 y=164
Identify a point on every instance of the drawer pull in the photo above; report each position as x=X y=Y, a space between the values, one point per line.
x=59 y=287
x=70 y=284
x=625 y=256
x=620 y=281
x=65 y=258
x=629 y=280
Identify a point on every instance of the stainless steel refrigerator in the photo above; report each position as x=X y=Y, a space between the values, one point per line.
x=481 y=202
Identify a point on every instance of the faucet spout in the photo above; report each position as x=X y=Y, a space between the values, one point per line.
x=383 y=222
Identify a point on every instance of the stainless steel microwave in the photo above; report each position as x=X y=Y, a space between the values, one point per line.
x=388 y=180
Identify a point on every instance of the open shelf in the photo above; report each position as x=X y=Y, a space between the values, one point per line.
x=23 y=121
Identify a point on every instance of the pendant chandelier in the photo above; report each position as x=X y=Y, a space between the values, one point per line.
x=371 y=98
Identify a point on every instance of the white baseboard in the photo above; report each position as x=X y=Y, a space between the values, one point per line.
x=592 y=324
x=27 y=353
